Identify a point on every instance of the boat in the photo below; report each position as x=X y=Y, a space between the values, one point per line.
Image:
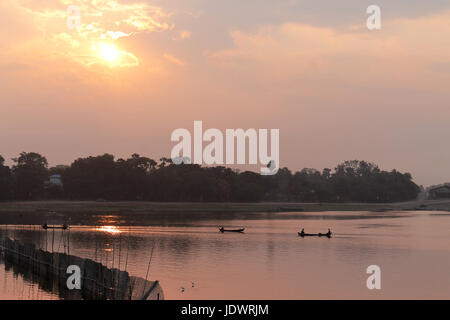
x=46 y=226
x=303 y=234
x=314 y=235
x=222 y=229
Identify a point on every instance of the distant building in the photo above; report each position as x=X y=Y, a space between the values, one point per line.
x=439 y=192
x=56 y=179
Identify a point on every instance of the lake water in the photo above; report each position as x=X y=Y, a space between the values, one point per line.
x=192 y=260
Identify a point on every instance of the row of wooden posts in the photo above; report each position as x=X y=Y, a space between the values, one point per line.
x=97 y=280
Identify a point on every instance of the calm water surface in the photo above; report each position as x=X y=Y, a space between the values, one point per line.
x=268 y=261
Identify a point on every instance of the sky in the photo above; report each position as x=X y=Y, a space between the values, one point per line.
x=132 y=72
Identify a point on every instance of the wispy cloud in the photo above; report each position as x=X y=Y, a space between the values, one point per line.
x=173 y=59
x=185 y=35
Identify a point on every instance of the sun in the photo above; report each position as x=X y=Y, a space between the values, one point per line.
x=107 y=52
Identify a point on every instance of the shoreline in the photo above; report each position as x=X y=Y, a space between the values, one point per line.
x=123 y=207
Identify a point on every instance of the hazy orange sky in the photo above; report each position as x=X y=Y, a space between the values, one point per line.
x=336 y=90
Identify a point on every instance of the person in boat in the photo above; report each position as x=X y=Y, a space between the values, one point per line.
x=328 y=234
x=302 y=232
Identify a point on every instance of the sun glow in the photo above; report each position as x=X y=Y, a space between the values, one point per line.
x=107 y=52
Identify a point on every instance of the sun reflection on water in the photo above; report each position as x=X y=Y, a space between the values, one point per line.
x=109 y=229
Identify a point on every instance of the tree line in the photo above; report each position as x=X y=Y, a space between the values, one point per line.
x=142 y=178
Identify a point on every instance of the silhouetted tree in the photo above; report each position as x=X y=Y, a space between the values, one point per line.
x=5 y=181
x=91 y=178
x=29 y=173
x=141 y=178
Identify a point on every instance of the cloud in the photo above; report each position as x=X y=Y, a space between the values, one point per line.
x=185 y=35
x=98 y=21
x=403 y=54
x=182 y=35
x=115 y=34
x=172 y=59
